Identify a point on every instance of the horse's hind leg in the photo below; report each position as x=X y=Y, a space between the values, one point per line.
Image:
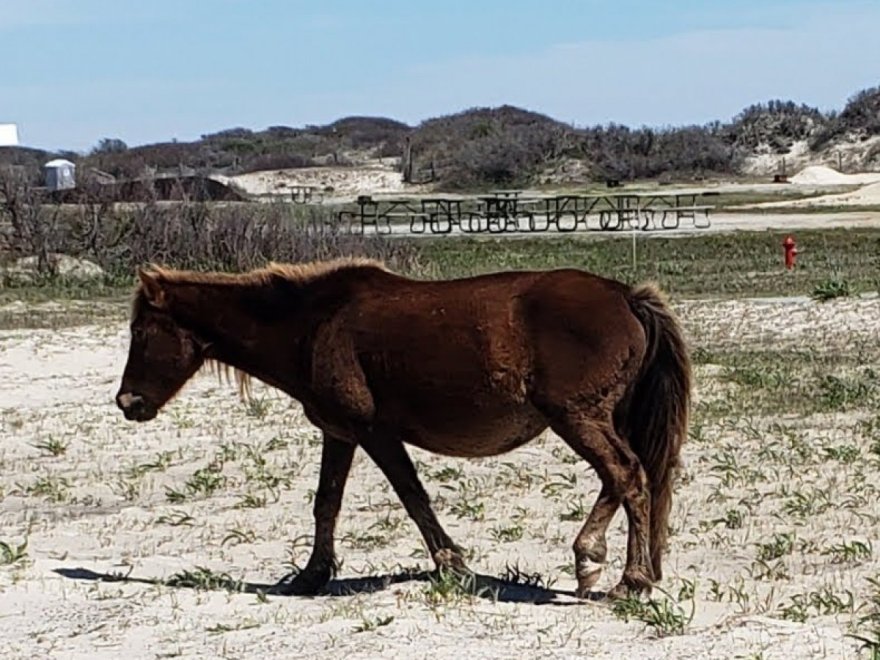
x=391 y=457
x=336 y=457
x=590 y=547
x=623 y=480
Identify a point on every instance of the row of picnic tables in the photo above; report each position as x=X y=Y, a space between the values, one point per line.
x=501 y=211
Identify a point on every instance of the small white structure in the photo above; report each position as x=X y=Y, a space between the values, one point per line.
x=8 y=135
x=60 y=174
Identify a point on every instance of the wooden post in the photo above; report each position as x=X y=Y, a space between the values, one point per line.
x=634 y=230
x=407 y=161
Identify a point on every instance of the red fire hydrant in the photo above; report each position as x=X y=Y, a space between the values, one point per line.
x=790 y=251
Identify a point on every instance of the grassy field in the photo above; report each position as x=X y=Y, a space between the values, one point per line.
x=723 y=265
x=732 y=264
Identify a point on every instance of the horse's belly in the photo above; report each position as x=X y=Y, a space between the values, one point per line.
x=475 y=435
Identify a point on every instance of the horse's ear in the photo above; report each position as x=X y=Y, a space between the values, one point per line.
x=152 y=287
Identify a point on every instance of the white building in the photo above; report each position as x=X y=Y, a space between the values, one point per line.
x=8 y=135
x=60 y=174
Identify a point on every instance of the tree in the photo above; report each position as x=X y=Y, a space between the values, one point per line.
x=110 y=146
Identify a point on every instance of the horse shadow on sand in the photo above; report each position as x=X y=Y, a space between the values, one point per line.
x=513 y=587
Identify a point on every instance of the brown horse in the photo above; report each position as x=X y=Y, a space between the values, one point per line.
x=468 y=367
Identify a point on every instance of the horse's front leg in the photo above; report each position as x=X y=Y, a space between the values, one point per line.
x=392 y=458
x=336 y=458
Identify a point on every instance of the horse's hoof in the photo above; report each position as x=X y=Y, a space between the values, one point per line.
x=629 y=588
x=450 y=560
x=586 y=582
x=304 y=584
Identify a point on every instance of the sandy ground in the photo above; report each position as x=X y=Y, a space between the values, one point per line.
x=103 y=505
x=333 y=183
x=867 y=195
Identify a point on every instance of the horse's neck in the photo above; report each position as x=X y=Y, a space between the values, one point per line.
x=237 y=336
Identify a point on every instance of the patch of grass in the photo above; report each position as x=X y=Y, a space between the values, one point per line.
x=52 y=487
x=252 y=501
x=868 y=625
x=841 y=393
x=236 y=536
x=161 y=463
x=221 y=628
x=842 y=453
x=848 y=552
x=205 y=579
x=258 y=408
x=831 y=288
x=796 y=381
x=203 y=482
x=446 y=586
x=732 y=519
x=779 y=546
x=507 y=534
x=367 y=624
x=51 y=446
x=823 y=602
x=12 y=554
x=176 y=519
x=364 y=540
x=664 y=615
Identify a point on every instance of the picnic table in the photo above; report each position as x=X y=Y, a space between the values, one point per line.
x=440 y=214
x=551 y=211
x=501 y=211
x=640 y=210
x=377 y=214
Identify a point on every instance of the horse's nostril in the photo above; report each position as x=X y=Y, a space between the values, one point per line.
x=128 y=401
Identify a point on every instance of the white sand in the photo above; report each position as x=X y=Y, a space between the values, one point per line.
x=59 y=384
x=824 y=175
x=334 y=183
x=867 y=195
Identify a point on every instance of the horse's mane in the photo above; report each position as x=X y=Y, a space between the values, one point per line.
x=293 y=272
x=223 y=370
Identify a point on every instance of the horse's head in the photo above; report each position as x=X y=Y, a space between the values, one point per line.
x=162 y=355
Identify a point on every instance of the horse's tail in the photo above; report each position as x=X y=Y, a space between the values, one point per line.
x=654 y=415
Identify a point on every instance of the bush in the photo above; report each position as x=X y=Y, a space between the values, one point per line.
x=231 y=237
x=860 y=117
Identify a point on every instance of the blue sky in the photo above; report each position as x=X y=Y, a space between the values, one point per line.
x=75 y=71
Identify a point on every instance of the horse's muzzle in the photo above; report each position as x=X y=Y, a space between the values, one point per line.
x=135 y=407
